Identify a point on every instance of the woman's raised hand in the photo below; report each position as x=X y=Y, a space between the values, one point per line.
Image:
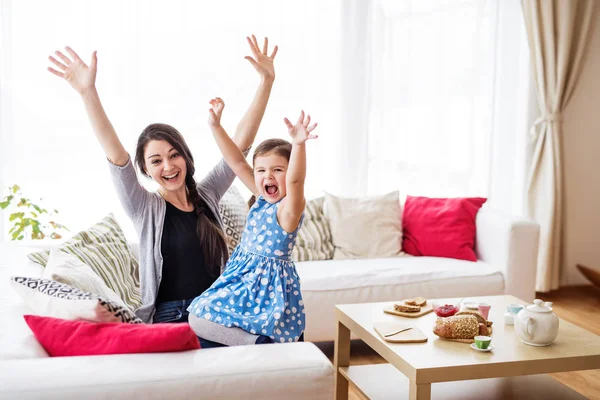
x=300 y=132
x=216 y=109
x=72 y=69
x=262 y=62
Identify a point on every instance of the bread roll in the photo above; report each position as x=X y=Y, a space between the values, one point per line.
x=457 y=327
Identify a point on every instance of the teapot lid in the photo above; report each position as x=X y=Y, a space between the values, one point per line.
x=539 y=306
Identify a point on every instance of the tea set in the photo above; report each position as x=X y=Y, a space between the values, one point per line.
x=535 y=324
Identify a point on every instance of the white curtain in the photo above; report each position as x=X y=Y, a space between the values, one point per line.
x=159 y=61
x=558 y=33
x=432 y=96
x=356 y=51
x=514 y=110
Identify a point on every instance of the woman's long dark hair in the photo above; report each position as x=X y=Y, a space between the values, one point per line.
x=212 y=239
x=280 y=147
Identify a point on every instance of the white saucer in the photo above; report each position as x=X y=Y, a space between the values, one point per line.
x=490 y=348
x=471 y=305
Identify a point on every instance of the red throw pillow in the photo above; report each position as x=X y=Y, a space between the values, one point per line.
x=440 y=227
x=61 y=337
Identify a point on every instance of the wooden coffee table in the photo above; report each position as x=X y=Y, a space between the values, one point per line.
x=511 y=370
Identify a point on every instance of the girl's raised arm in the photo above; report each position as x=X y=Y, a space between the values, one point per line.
x=83 y=79
x=293 y=205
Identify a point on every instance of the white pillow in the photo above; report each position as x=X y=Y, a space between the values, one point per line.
x=54 y=299
x=69 y=269
x=367 y=227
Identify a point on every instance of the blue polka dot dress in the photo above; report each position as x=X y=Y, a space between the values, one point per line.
x=260 y=289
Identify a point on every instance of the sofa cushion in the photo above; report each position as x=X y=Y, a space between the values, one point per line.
x=233 y=210
x=103 y=248
x=367 y=227
x=314 y=237
x=345 y=274
x=291 y=371
x=70 y=270
x=61 y=337
x=440 y=227
x=49 y=298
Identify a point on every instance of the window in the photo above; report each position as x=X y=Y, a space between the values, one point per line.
x=432 y=73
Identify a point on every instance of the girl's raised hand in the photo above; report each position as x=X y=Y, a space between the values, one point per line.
x=216 y=109
x=72 y=69
x=300 y=132
x=262 y=62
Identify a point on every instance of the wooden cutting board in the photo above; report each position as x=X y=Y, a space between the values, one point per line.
x=413 y=335
x=426 y=309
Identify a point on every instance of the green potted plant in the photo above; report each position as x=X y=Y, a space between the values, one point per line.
x=30 y=220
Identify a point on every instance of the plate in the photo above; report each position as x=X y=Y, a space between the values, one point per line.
x=490 y=348
x=471 y=305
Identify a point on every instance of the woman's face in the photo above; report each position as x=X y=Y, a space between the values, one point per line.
x=165 y=165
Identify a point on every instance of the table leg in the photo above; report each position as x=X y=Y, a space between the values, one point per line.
x=341 y=358
x=419 y=391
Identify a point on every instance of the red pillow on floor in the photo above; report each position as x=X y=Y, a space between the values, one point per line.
x=61 y=337
x=440 y=227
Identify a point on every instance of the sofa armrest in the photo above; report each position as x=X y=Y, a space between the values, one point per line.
x=511 y=244
x=290 y=371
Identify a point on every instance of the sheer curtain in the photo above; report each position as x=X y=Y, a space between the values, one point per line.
x=159 y=61
x=433 y=68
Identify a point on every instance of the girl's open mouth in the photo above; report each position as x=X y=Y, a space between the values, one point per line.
x=271 y=190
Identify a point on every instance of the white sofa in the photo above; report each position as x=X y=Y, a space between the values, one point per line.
x=290 y=371
x=506 y=249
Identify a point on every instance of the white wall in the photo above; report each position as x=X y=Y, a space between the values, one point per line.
x=581 y=151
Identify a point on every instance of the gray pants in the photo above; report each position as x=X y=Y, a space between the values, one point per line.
x=214 y=332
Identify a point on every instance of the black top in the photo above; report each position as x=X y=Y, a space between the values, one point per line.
x=183 y=275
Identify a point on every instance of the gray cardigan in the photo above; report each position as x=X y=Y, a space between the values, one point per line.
x=147 y=212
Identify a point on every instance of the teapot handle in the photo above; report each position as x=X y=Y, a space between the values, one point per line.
x=527 y=323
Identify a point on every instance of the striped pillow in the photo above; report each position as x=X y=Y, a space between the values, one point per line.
x=103 y=248
x=314 y=237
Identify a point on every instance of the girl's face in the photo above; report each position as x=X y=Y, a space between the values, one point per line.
x=165 y=165
x=269 y=176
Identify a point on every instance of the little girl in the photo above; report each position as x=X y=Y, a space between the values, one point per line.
x=259 y=290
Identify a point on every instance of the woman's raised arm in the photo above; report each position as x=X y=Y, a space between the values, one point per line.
x=263 y=63
x=83 y=79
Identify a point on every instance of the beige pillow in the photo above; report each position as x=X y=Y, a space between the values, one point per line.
x=366 y=227
x=68 y=269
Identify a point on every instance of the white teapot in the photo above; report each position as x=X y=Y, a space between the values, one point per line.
x=536 y=324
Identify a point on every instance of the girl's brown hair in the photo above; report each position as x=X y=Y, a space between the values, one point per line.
x=212 y=239
x=279 y=147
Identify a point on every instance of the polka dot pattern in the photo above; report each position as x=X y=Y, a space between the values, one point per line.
x=260 y=287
